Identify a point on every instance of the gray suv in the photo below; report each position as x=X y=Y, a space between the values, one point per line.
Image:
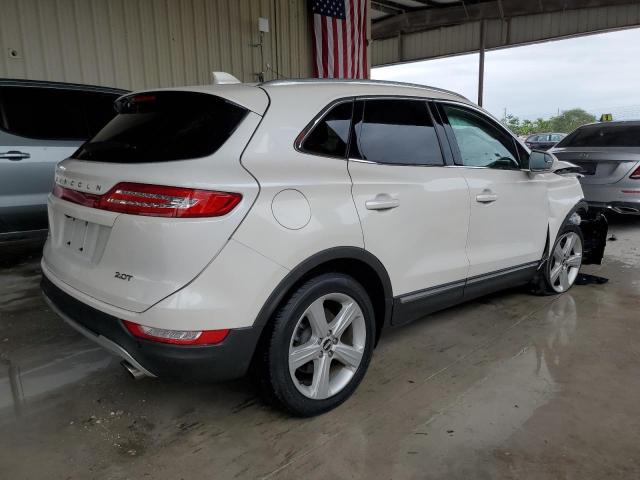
x=41 y=123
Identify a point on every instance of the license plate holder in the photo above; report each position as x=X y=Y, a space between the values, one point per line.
x=79 y=236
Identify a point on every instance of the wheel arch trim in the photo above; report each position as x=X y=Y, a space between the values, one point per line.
x=297 y=274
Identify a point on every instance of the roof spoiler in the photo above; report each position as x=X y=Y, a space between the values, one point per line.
x=223 y=78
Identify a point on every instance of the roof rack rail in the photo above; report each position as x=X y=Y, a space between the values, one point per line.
x=375 y=82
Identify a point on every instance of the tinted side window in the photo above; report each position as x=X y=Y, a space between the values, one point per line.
x=481 y=144
x=331 y=135
x=397 y=132
x=44 y=113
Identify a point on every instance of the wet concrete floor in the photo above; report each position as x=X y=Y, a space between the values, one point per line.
x=509 y=386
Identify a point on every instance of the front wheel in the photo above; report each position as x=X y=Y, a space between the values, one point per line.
x=320 y=346
x=561 y=269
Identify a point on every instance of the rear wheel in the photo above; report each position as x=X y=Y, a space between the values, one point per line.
x=320 y=346
x=561 y=269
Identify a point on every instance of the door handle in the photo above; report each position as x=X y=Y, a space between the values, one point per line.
x=383 y=201
x=487 y=196
x=14 y=155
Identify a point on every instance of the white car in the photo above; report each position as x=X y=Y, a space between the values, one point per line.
x=282 y=226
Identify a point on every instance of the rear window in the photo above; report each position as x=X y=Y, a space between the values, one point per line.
x=164 y=126
x=603 y=135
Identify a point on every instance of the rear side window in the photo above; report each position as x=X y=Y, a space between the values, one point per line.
x=396 y=131
x=603 y=135
x=164 y=126
x=330 y=136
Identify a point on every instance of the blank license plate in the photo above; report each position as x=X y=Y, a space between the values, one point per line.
x=80 y=236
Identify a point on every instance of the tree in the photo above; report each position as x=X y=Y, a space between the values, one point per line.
x=566 y=122
x=569 y=120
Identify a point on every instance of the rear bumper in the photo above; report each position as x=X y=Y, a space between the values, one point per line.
x=227 y=360
x=625 y=208
x=618 y=197
x=26 y=236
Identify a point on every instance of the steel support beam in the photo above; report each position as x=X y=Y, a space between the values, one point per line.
x=430 y=18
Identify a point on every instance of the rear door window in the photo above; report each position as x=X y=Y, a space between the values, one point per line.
x=55 y=113
x=396 y=131
x=330 y=136
x=603 y=135
x=43 y=113
x=164 y=126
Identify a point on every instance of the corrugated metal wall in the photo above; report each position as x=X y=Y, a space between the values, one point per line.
x=138 y=44
x=499 y=33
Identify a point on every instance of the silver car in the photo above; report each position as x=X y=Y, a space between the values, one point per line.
x=609 y=155
x=41 y=123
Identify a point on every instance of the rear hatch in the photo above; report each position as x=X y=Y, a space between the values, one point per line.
x=142 y=208
x=607 y=153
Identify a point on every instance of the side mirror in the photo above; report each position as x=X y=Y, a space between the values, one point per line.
x=540 y=161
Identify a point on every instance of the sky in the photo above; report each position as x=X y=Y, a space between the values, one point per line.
x=600 y=73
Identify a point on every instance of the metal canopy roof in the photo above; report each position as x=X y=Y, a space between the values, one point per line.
x=386 y=8
x=403 y=31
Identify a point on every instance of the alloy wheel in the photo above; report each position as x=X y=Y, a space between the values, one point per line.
x=327 y=346
x=565 y=262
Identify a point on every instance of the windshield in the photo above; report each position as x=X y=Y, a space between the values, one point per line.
x=163 y=126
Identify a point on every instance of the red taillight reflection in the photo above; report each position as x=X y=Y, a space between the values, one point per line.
x=155 y=200
x=176 y=337
x=636 y=174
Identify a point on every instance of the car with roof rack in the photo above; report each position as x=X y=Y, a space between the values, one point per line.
x=281 y=227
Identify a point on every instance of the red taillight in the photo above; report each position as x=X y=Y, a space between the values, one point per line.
x=636 y=174
x=176 y=337
x=155 y=200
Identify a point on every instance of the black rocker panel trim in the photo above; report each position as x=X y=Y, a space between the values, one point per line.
x=415 y=305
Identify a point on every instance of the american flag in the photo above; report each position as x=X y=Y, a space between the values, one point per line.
x=340 y=38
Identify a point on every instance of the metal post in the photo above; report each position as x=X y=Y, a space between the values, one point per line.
x=481 y=69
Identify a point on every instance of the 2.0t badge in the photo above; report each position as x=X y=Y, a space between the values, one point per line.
x=124 y=276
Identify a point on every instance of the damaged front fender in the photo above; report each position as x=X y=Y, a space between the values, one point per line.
x=594 y=226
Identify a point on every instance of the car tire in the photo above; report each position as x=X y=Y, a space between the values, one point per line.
x=305 y=367
x=560 y=271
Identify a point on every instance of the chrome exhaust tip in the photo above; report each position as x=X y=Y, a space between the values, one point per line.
x=133 y=371
x=625 y=210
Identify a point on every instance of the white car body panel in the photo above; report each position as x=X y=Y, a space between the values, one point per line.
x=431 y=221
x=324 y=182
x=563 y=193
x=511 y=230
x=210 y=301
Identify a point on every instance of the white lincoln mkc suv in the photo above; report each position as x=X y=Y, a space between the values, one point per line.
x=279 y=228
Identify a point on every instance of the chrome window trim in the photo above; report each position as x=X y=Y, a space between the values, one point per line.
x=306 y=131
x=400 y=97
